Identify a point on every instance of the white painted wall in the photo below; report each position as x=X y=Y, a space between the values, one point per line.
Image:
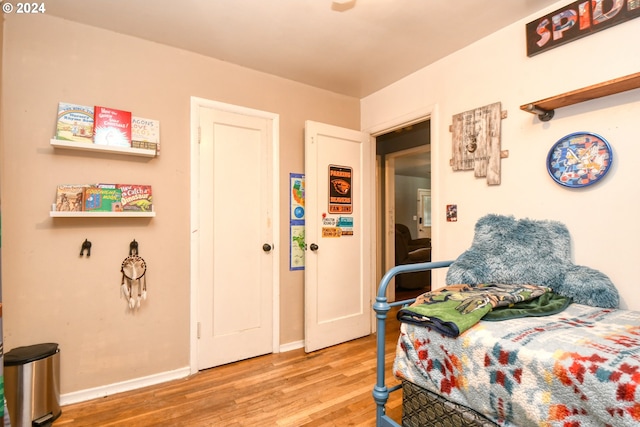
x=602 y=218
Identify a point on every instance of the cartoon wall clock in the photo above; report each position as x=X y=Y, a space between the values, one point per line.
x=579 y=159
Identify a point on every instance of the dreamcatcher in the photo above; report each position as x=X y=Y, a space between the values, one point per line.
x=134 y=282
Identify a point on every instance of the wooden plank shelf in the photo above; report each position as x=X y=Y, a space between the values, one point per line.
x=544 y=108
x=87 y=146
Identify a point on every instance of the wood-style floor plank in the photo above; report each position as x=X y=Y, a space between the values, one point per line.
x=329 y=387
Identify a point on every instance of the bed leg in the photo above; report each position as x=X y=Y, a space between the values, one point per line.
x=382 y=307
x=380 y=391
x=380 y=395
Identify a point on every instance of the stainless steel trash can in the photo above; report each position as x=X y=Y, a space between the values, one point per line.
x=32 y=384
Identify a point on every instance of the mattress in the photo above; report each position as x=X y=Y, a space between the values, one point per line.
x=580 y=367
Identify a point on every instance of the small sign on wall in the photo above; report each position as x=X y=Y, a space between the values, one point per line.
x=331 y=232
x=336 y=227
x=452 y=213
x=340 y=181
x=476 y=142
x=576 y=20
x=345 y=223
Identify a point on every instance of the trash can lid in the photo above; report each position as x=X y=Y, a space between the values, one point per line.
x=30 y=353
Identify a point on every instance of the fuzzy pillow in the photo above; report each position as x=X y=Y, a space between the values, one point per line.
x=590 y=287
x=506 y=250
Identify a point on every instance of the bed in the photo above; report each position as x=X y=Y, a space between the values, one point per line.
x=573 y=367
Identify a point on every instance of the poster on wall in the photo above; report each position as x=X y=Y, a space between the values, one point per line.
x=296 y=221
x=340 y=198
x=296 y=259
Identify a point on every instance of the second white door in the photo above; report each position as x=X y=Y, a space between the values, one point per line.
x=338 y=235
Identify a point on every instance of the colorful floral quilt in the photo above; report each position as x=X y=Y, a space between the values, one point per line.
x=577 y=368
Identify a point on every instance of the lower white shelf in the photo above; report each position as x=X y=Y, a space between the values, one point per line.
x=61 y=214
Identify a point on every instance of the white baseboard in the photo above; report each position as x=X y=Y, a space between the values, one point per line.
x=107 y=390
x=102 y=391
x=291 y=346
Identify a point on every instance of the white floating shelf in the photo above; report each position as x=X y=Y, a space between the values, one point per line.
x=86 y=146
x=61 y=214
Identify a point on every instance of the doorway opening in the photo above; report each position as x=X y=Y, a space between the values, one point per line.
x=404 y=193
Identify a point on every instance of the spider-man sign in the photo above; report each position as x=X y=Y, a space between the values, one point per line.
x=576 y=20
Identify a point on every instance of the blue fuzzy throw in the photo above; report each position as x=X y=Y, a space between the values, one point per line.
x=526 y=251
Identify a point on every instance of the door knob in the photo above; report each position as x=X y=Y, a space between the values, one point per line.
x=314 y=247
x=266 y=247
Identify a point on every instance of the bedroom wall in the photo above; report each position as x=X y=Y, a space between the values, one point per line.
x=50 y=293
x=601 y=218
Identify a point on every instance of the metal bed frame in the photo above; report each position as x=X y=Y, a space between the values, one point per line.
x=381 y=307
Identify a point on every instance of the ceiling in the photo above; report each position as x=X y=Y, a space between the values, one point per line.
x=351 y=47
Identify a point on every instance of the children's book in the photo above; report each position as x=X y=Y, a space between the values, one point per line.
x=99 y=199
x=136 y=197
x=75 y=123
x=112 y=127
x=69 y=197
x=145 y=133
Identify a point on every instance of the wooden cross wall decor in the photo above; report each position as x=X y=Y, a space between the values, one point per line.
x=476 y=142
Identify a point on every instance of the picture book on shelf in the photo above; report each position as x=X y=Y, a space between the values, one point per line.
x=135 y=197
x=112 y=127
x=69 y=197
x=99 y=199
x=75 y=123
x=145 y=133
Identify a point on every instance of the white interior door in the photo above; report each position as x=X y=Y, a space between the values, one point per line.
x=337 y=234
x=424 y=213
x=235 y=272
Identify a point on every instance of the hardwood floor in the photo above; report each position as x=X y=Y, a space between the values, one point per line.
x=330 y=387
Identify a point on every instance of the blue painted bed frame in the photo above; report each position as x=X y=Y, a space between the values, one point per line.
x=381 y=307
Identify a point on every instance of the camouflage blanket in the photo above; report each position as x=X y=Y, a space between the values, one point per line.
x=455 y=308
x=578 y=368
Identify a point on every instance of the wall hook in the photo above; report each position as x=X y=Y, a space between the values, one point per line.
x=86 y=245
x=133 y=248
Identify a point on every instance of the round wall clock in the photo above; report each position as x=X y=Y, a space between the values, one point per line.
x=579 y=159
